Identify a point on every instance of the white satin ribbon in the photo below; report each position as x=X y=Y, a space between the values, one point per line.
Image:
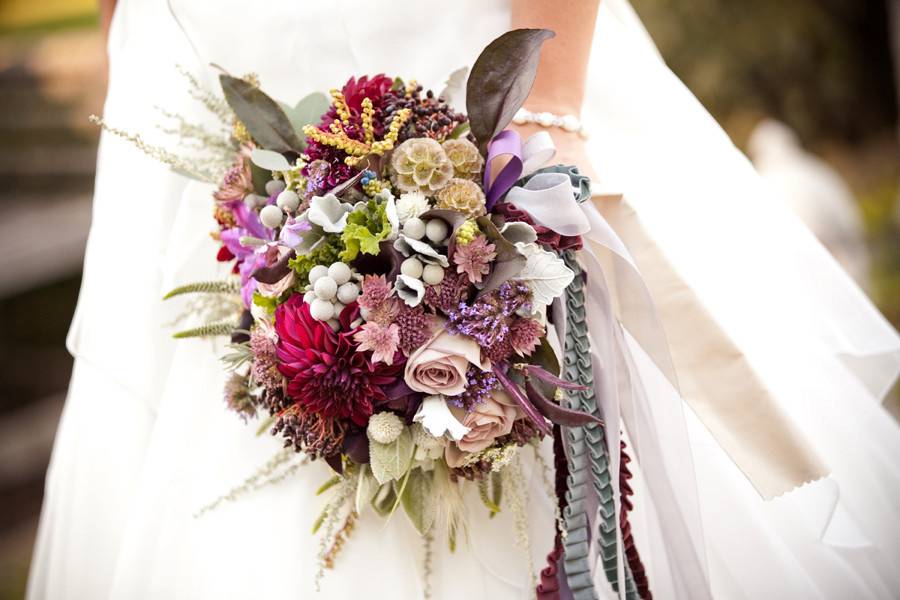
x=551 y=200
x=537 y=151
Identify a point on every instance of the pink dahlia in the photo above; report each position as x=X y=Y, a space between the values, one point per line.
x=325 y=373
x=474 y=259
x=380 y=339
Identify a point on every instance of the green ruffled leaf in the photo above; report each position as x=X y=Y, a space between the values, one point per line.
x=265 y=302
x=263 y=118
x=501 y=80
x=389 y=462
x=326 y=252
x=366 y=228
x=308 y=111
x=418 y=500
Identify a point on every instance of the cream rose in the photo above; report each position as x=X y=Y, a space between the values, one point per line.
x=487 y=421
x=439 y=366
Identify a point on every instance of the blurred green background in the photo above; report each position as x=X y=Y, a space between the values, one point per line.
x=824 y=67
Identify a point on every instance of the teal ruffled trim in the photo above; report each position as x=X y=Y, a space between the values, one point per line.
x=588 y=459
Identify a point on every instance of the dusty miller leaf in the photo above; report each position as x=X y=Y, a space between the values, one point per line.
x=509 y=262
x=501 y=80
x=545 y=273
x=418 y=500
x=263 y=118
x=390 y=461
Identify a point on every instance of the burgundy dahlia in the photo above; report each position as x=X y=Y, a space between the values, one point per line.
x=325 y=373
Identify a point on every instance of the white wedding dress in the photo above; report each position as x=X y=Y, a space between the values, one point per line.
x=145 y=439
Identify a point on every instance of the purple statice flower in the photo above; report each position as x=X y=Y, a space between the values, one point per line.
x=316 y=178
x=479 y=385
x=490 y=318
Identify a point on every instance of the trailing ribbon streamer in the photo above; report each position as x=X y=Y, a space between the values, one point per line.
x=522 y=159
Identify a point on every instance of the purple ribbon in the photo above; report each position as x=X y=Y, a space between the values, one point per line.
x=505 y=143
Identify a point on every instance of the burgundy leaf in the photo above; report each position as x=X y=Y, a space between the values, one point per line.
x=559 y=415
x=527 y=407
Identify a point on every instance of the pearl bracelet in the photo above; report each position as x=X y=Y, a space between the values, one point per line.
x=569 y=123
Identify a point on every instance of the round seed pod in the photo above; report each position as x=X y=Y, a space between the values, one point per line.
x=274 y=186
x=321 y=310
x=412 y=267
x=432 y=274
x=340 y=272
x=325 y=288
x=271 y=216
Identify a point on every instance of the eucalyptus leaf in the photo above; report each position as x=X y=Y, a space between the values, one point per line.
x=263 y=118
x=389 y=462
x=308 y=111
x=418 y=500
x=501 y=80
x=269 y=160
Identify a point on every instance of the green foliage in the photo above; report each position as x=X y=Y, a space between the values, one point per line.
x=366 y=227
x=418 y=500
x=385 y=499
x=208 y=330
x=390 y=462
x=265 y=302
x=308 y=111
x=206 y=287
x=264 y=119
x=366 y=489
x=325 y=253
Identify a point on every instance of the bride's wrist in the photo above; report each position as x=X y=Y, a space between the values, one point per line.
x=568 y=122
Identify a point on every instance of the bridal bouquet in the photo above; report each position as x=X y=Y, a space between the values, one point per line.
x=396 y=262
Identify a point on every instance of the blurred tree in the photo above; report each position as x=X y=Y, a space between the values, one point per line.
x=823 y=66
